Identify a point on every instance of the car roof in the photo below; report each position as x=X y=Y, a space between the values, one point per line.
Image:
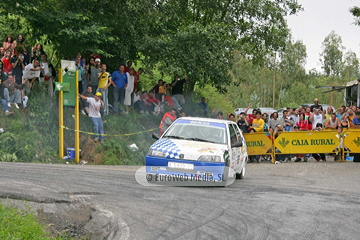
x=207 y=119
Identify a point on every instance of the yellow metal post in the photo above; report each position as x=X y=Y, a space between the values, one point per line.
x=77 y=120
x=61 y=119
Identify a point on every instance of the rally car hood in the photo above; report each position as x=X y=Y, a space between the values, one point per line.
x=188 y=150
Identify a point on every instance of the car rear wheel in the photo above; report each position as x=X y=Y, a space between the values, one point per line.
x=241 y=174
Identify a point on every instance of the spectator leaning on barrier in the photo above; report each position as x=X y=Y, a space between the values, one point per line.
x=287 y=122
x=274 y=122
x=258 y=123
x=356 y=120
x=317 y=117
x=167 y=120
x=94 y=112
x=340 y=112
x=333 y=122
x=303 y=124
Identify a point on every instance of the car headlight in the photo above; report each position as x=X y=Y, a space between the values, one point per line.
x=156 y=153
x=209 y=158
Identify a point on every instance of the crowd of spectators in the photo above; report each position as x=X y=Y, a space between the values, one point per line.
x=19 y=69
x=312 y=118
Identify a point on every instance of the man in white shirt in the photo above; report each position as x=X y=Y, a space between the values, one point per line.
x=31 y=72
x=129 y=89
x=317 y=117
x=94 y=112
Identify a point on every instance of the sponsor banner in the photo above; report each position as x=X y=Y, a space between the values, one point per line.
x=258 y=143
x=352 y=140
x=307 y=142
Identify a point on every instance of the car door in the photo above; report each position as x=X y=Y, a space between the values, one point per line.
x=235 y=151
x=243 y=149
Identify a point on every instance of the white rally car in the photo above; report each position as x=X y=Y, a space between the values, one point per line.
x=198 y=149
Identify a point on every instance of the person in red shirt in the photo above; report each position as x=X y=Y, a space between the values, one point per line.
x=303 y=124
x=167 y=120
x=151 y=101
x=307 y=117
x=7 y=67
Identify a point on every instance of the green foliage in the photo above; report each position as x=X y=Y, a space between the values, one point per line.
x=332 y=55
x=20 y=224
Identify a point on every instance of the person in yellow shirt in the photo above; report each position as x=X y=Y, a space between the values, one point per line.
x=104 y=79
x=258 y=123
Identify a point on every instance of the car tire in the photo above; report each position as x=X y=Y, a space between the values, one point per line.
x=241 y=175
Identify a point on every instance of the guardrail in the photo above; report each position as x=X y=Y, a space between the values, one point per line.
x=303 y=142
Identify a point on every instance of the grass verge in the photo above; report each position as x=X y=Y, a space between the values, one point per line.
x=20 y=224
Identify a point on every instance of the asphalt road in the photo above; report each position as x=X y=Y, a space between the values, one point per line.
x=282 y=201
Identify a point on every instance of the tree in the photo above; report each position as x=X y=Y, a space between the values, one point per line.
x=194 y=37
x=351 y=67
x=332 y=54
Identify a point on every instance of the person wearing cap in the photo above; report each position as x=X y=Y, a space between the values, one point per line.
x=93 y=74
x=95 y=104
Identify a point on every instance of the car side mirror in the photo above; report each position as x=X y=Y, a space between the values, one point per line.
x=237 y=144
x=155 y=136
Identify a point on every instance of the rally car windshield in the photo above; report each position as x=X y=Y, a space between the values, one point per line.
x=197 y=132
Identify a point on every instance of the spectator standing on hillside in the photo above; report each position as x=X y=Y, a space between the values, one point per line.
x=173 y=100
x=151 y=101
x=156 y=89
x=129 y=89
x=93 y=74
x=94 y=112
x=12 y=92
x=167 y=120
x=203 y=105
x=18 y=66
x=258 y=123
x=139 y=104
x=316 y=105
x=119 y=81
x=9 y=44
x=83 y=103
x=6 y=60
x=31 y=72
x=19 y=43
x=36 y=52
x=317 y=117
x=47 y=74
x=137 y=77
x=80 y=70
x=231 y=117
x=177 y=89
x=104 y=80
